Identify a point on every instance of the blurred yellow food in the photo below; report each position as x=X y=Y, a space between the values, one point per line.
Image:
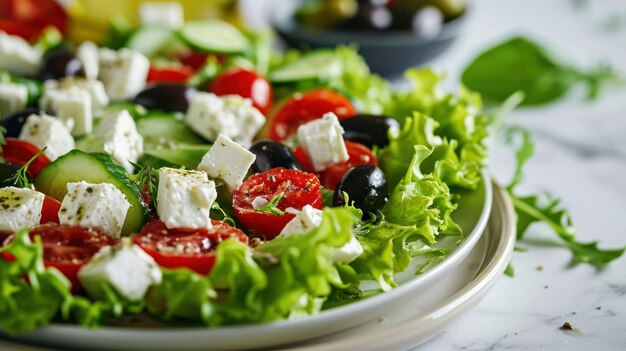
x=89 y=19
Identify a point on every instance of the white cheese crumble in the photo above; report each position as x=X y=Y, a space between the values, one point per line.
x=19 y=208
x=228 y=161
x=185 y=198
x=322 y=141
x=46 y=131
x=210 y=115
x=126 y=268
x=101 y=206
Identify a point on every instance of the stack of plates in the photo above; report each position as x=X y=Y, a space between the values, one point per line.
x=420 y=307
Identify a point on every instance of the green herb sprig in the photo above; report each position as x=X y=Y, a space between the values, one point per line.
x=272 y=206
x=20 y=179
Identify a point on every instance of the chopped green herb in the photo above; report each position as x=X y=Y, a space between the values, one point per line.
x=510 y=270
x=272 y=206
x=20 y=179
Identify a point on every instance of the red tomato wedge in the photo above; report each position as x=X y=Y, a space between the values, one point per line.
x=177 y=74
x=247 y=84
x=186 y=248
x=68 y=248
x=304 y=107
x=297 y=188
x=28 y=18
x=330 y=177
x=19 y=152
x=50 y=210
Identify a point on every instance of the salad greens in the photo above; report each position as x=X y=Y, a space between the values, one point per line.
x=544 y=208
x=437 y=154
x=519 y=64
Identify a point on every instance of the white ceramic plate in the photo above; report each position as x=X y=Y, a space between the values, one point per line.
x=472 y=216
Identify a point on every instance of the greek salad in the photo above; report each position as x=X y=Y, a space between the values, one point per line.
x=191 y=173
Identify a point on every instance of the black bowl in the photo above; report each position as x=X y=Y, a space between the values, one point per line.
x=387 y=53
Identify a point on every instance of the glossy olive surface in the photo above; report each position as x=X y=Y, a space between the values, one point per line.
x=271 y=154
x=366 y=187
x=14 y=122
x=172 y=97
x=369 y=130
x=58 y=64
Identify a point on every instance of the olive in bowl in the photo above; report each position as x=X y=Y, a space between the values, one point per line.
x=391 y=37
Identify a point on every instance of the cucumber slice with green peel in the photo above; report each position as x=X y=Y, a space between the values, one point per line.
x=165 y=130
x=214 y=36
x=93 y=168
x=312 y=66
x=151 y=40
x=188 y=156
x=90 y=143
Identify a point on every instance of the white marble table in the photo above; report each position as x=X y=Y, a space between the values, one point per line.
x=581 y=158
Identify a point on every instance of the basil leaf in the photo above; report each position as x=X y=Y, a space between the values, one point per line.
x=520 y=64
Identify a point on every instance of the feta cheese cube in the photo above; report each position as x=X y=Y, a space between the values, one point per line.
x=13 y=98
x=322 y=141
x=310 y=218
x=100 y=206
x=94 y=87
x=231 y=115
x=126 y=268
x=185 y=198
x=18 y=57
x=46 y=131
x=123 y=72
x=121 y=139
x=305 y=221
x=168 y=14
x=228 y=161
x=87 y=54
x=347 y=253
x=72 y=105
x=19 y=208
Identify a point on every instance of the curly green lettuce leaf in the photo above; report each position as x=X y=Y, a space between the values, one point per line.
x=182 y=294
x=544 y=208
x=303 y=270
x=31 y=295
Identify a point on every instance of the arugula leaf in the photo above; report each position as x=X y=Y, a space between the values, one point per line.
x=519 y=64
x=272 y=206
x=546 y=209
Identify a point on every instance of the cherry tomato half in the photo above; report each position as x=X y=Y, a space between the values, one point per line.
x=196 y=59
x=19 y=152
x=68 y=248
x=189 y=248
x=28 y=18
x=297 y=188
x=177 y=74
x=304 y=107
x=247 y=84
x=50 y=210
x=330 y=177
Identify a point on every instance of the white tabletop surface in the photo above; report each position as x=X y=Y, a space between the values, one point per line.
x=580 y=157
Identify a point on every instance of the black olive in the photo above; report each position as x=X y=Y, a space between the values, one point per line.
x=369 y=130
x=8 y=171
x=170 y=97
x=14 y=122
x=60 y=63
x=271 y=154
x=370 y=16
x=366 y=188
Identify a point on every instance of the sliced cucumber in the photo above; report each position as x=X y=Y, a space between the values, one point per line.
x=315 y=65
x=165 y=130
x=214 y=36
x=188 y=156
x=151 y=40
x=94 y=168
x=90 y=143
